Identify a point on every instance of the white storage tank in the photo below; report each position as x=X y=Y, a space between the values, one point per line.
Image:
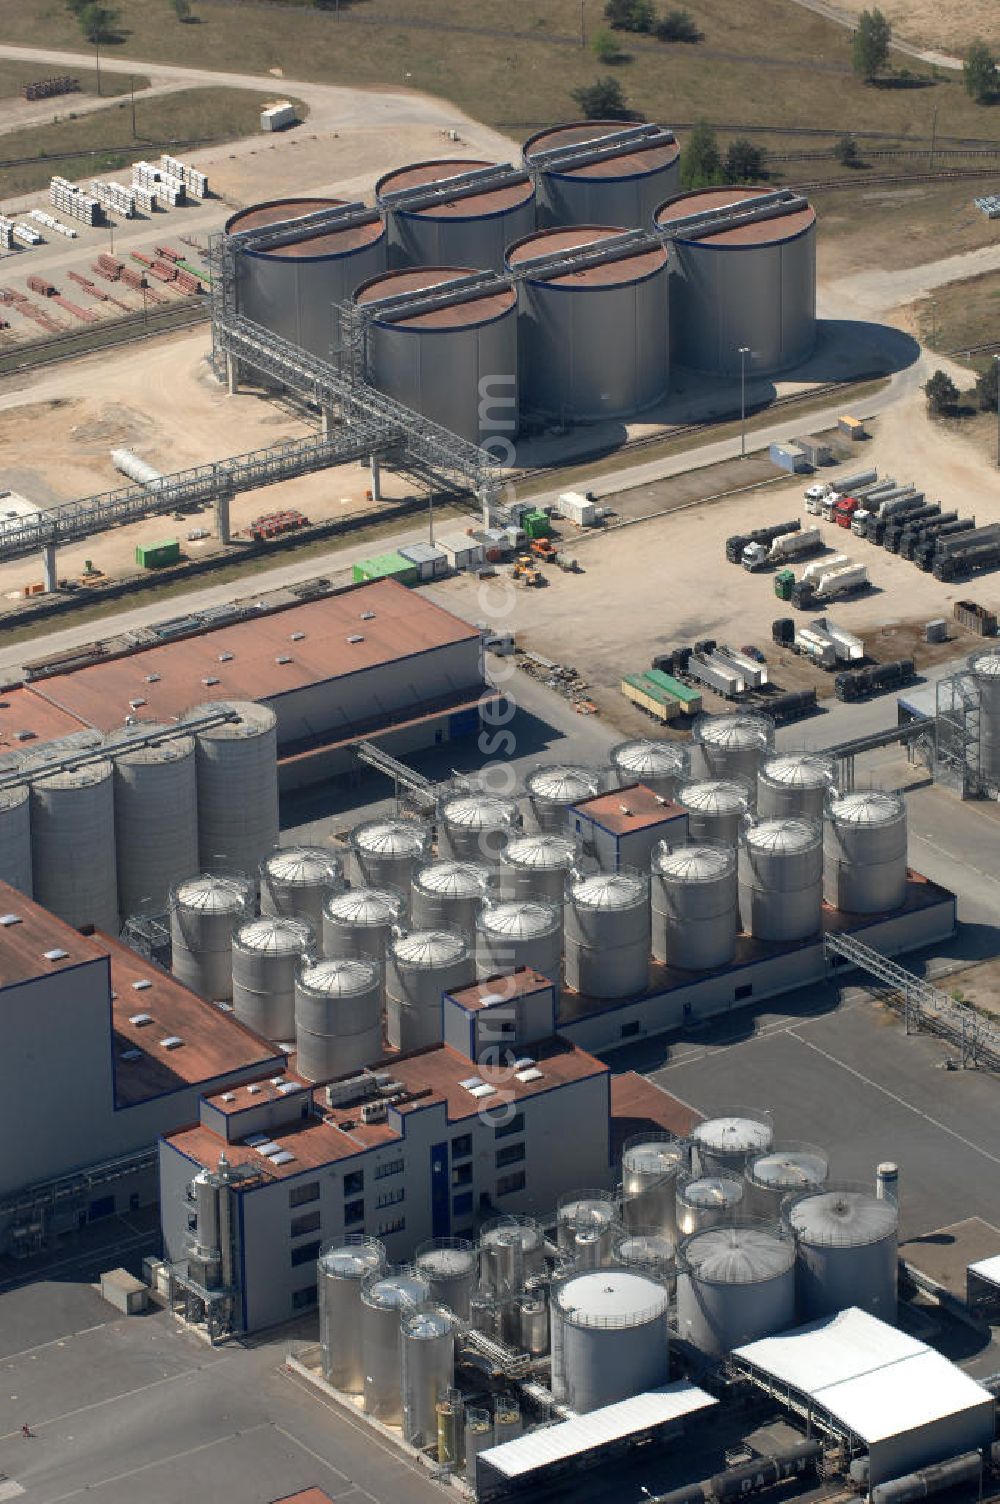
x=420 y=966
x=585 y=1218
x=651 y=1164
x=474 y=826
x=724 y=1145
x=537 y=866
x=784 y=1170
x=650 y=1250
x=660 y=766
x=715 y=809
x=451 y=1268
x=733 y=746
x=296 y=881
x=603 y=171
x=74 y=873
x=781 y=879
x=609 y=1337
x=15 y=832
x=427 y=1342
x=156 y=818
x=267 y=954
x=847 y=1251
x=204 y=912
x=523 y=933
x=237 y=788
x=385 y=1297
x=607 y=934
x=338 y=1017
x=705 y=1201
x=455 y=212
x=449 y=894
x=734 y=1285
x=794 y=785
x=694 y=906
x=533 y=1323
x=340 y=1269
x=511 y=1251
x=554 y=788
x=359 y=922
x=864 y=853
x=388 y=852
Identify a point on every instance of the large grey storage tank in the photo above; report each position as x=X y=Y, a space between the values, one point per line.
x=388 y=852
x=74 y=872
x=734 y=1285
x=743 y=277
x=237 y=788
x=267 y=954
x=455 y=212
x=451 y=1268
x=705 y=1201
x=781 y=879
x=733 y=746
x=427 y=1343
x=204 y=912
x=312 y=253
x=693 y=903
x=603 y=172
x=847 y=1253
x=864 y=853
x=592 y=322
x=607 y=933
x=650 y=1166
x=296 y=881
x=784 y=1170
x=156 y=817
x=511 y=1252
x=15 y=833
x=647 y=1249
x=450 y=894
x=338 y=1017
x=359 y=922
x=661 y=766
x=554 y=788
x=985 y=668
x=609 y=1337
x=522 y=933
x=537 y=866
x=586 y=1222
x=385 y=1296
x=340 y=1269
x=474 y=826
x=794 y=785
x=436 y=337
x=724 y=1145
x=420 y=966
x=715 y=810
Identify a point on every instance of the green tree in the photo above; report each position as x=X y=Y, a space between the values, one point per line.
x=980 y=72
x=870 y=49
x=97 y=22
x=677 y=26
x=745 y=162
x=986 y=388
x=846 y=152
x=701 y=160
x=941 y=393
x=602 y=100
x=630 y=15
x=605 y=48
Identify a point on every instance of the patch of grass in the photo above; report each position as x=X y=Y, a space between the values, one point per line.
x=960 y=315
x=14 y=75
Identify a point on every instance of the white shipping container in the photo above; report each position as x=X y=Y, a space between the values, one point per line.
x=578 y=509
x=276 y=117
x=462 y=553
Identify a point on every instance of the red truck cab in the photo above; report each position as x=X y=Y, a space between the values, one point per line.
x=844 y=510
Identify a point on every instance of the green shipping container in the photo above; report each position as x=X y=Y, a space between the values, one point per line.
x=158 y=555
x=385 y=567
x=690 y=699
x=536 y=525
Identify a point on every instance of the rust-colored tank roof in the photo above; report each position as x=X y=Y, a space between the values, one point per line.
x=419 y=279
x=761 y=232
x=616 y=273
x=420 y=174
x=638 y=160
x=333 y=243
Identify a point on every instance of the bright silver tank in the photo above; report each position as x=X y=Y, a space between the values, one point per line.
x=715 y=809
x=388 y=852
x=267 y=954
x=555 y=787
x=384 y=1298
x=449 y=894
x=650 y=1250
x=156 y=820
x=74 y=873
x=533 y=1323
x=784 y=1170
x=340 y=1269
x=427 y=1350
x=705 y=1201
x=694 y=906
x=451 y=1268
x=864 y=852
x=661 y=766
x=338 y=1017
x=733 y=745
x=607 y=933
x=586 y=1223
x=296 y=881
x=15 y=837
x=847 y=1251
x=204 y=912
x=723 y=1145
x=523 y=933
x=651 y=1164
x=237 y=788
x=734 y=1285
x=609 y=1337
x=985 y=668
x=537 y=866
x=420 y=966
x=474 y=826
x=511 y=1251
x=359 y=922
x=794 y=785
x=781 y=879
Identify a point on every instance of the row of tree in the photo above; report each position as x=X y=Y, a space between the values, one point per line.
x=641 y=16
x=99 y=23
x=870 y=57
x=942 y=394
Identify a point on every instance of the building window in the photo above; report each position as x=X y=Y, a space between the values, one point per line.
x=390 y=1167
x=461 y=1175
x=629 y=1031
x=300 y=1194
x=303 y=1299
x=397 y=1225
x=306 y=1254
x=512 y=1155
x=308 y=1222
x=742 y=992
x=516 y=1125
x=354 y=1183
x=508 y=1184
x=354 y=1211
x=461 y=1147
x=462 y=1205
x=391 y=1198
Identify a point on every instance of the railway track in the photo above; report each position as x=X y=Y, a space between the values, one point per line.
x=950 y=174
x=88 y=341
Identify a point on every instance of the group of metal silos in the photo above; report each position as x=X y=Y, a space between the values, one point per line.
x=562 y=288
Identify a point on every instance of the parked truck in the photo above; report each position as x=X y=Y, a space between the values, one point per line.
x=964 y=562
x=739 y=541
x=815 y=646
x=915 y=534
x=925 y=553
x=828 y=507
x=862 y=682
x=893 y=534
x=783 y=547
x=847 y=579
x=754 y=672
x=848 y=648
x=725 y=679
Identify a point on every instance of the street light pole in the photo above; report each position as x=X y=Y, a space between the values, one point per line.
x=743 y=353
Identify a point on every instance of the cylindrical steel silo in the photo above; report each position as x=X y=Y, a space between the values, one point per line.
x=267 y=954
x=592 y=1214
x=156 y=818
x=451 y=1268
x=661 y=766
x=316 y=252
x=794 y=785
x=533 y=1323
x=15 y=833
x=864 y=852
x=340 y=1269
x=449 y=894
x=613 y=1340
x=603 y=172
x=784 y=1170
x=204 y=912
x=705 y=1201
x=847 y=1251
x=715 y=810
x=511 y=1251
x=452 y=212
x=522 y=933
x=359 y=922
x=739 y=280
x=478 y=1437
x=650 y=1166
x=237 y=788
x=781 y=879
x=387 y=852
x=385 y=1296
x=694 y=906
x=733 y=745
x=438 y=339
x=593 y=324
x=649 y=1250
x=427 y=1351
x=507 y=1420
x=72 y=813
x=474 y=826
x=985 y=669
x=734 y=1285
x=420 y=966
x=296 y=881
x=338 y=1017
x=554 y=788
x=723 y=1145
x=607 y=934
x=537 y=866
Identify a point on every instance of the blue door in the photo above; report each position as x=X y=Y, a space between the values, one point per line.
x=440 y=1191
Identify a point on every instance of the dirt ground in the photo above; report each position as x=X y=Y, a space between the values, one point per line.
x=950 y=28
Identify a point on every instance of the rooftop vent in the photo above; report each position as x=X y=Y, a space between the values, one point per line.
x=297 y=637
x=56 y=955
x=141 y=984
x=132 y=1054
x=483 y=1090
x=254 y=1140
x=172 y=1042
x=137 y=703
x=277 y=1080
x=252 y=1089
x=283 y=1157
x=152 y=679
x=25 y=736
x=368 y=616
x=268 y=1147
x=7 y=919
x=356 y=637
x=228 y=1096
x=226 y=657
x=531 y=1074
x=209 y=680
x=140 y=1020
x=283 y=658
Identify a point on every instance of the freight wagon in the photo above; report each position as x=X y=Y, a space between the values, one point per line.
x=654 y=701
